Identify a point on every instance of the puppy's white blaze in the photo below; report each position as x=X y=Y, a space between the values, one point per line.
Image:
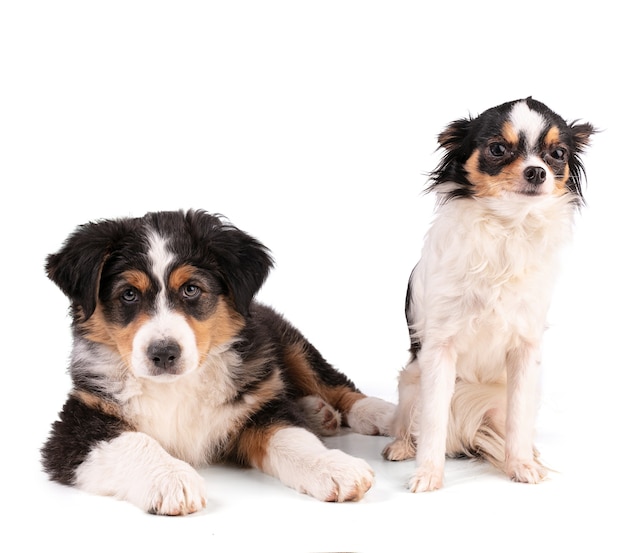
x=165 y=325
x=300 y=460
x=160 y=257
x=135 y=468
x=528 y=122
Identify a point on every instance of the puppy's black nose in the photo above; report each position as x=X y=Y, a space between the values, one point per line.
x=164 y=355
x=535 y=175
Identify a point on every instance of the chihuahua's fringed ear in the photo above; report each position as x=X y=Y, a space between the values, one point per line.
x=451 y=138
x=582 y=134
x=76 y=267
x=242 y=261
x=455 y=142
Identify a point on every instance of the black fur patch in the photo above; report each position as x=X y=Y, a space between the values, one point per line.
x=77 y=431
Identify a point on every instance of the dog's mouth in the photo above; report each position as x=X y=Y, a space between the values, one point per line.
x=529 y=191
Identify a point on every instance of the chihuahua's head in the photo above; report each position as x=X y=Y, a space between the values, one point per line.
x=520 y=147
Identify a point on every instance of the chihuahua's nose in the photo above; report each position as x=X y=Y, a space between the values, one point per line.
x=535 y=175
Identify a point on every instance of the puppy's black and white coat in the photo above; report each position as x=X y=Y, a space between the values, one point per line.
x=174 y=365
x=508 y=186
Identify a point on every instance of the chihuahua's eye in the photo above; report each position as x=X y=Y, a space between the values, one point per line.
x=497 y=149
x=190 y=291
x=130 y=295
x=559 y=154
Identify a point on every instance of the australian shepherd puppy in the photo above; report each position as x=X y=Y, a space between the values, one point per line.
x=508 y=186
x=175 y=365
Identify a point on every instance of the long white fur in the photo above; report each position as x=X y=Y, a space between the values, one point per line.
x=480 y=297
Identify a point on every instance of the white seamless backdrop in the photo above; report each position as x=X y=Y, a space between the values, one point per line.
x=312 y=126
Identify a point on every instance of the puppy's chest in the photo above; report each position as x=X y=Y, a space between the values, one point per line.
x=191 y=418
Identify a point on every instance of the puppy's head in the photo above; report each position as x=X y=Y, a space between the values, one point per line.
x=162 y=291
x=520 y=147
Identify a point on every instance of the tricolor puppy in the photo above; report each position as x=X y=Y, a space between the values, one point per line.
x=508 y=186
x=174 y=366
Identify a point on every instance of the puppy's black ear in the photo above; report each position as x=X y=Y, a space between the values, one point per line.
x=76 y=267
x=242 y=261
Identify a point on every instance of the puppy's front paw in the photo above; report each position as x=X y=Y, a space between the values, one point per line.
x=529 y=472
x=176 y=490
x=426 y=478
x=399 y=450
x=371 y=416
x=339 y=477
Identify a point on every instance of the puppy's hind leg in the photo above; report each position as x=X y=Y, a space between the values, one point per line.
x=371 y=416
x=321 y=417
x=313 y=376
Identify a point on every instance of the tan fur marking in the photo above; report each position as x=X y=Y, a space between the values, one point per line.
x=509 y=134
x=99 y=404
x=124 y=336
x=487 y=185
x=267 y=391
x=306 y=380
x=97 y=328
x=341 y=398
x=252 y=444
x=560 y=184
x=121 y=338
x=222 y=326
x=138 y=279
x=552 y=136
x=300 y=371
x=180 y=275
x=552 y=139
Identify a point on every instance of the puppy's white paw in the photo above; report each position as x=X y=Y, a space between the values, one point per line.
x=529 y=472
x=322 y=417
x=336 y=476
x=426 y=479
x=176 y=489
x=371 y=416
x=399 y=450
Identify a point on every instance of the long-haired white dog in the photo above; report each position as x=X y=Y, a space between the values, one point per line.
x=508 y=186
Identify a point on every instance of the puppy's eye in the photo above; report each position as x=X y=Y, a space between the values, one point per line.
x=130 y=295
x=559 y=154
x=497 y=149
x=190 y=291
